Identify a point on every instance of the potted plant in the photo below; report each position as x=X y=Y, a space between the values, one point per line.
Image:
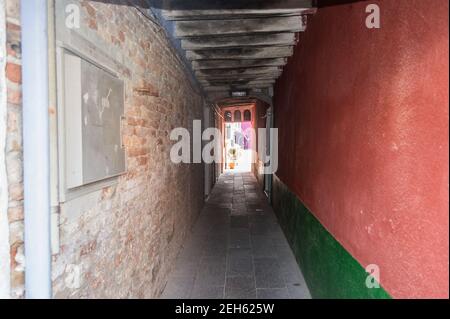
x=232 y=153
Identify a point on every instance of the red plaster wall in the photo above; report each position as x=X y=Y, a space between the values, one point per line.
x=363 y=128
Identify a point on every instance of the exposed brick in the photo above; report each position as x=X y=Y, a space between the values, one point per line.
x=122 y=241
x=13 y=147
x=13 y=27
x=15 y=192
x=93 y=24
x=89 y=9
x=16 y=233
x=122 y=36
x=14 y=96
x=17 y=278
x=15 y=214
x=14 y=72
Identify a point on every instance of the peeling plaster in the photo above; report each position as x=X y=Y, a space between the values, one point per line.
x=5 y=284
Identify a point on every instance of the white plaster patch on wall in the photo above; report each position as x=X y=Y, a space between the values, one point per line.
x=73 y=276
x=5 y=284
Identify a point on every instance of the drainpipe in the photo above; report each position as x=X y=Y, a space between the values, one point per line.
x=36 y=159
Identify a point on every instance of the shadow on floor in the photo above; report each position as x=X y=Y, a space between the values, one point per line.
x=236 y=250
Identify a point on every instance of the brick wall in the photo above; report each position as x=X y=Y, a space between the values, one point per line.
x=13 y=147
x=121 y=240
x=4 y=223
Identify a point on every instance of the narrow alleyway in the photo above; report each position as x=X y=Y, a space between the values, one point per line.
x=139 y=140
x=236 y=249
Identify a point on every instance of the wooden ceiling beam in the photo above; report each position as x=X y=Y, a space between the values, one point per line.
x=272 y=39
x=184 y=29
x=246 y=53
x=232 y=64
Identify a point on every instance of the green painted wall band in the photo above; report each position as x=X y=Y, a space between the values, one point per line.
x=329 y=270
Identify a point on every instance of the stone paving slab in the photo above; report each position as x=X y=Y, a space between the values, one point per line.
x=236 y=249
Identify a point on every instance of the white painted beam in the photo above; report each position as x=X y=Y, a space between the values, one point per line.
x=177 y=7
x=183 y=15
x=272 y=39
x=239 y=78
x=184 y=29
x=241 y=53
x=242 y=84
x=231 y=64
x=228 y=88
x=237 y=71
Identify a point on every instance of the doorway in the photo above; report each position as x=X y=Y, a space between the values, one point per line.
x=238 y=147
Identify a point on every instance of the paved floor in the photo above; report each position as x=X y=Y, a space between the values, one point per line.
x=236 y=250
